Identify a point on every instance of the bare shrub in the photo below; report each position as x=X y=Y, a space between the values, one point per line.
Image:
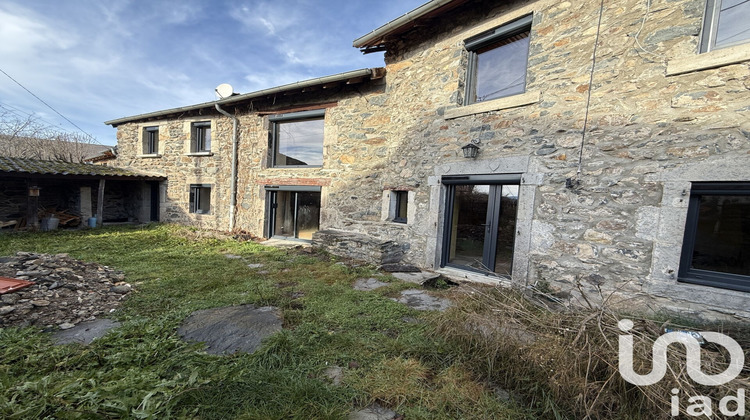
x=565 y=361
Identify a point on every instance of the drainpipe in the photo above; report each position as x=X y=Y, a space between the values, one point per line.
x=233 y=193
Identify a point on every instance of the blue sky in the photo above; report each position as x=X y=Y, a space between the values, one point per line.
x=98 y=60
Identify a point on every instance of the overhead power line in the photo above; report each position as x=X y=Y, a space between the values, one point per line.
x=50 y=107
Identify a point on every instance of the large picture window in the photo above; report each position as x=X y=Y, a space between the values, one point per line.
x=480 y=222
x=294 y=211
x=716 y=246
x=726 y=24
x=498 y=61
x=297 y=138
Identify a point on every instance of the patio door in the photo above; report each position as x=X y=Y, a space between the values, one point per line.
x=480 y=222
x=293 y=213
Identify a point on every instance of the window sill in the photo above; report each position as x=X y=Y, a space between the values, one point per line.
x=709 y=60
x=150 y=156
x=200 y=154
x=514 y=101
x=297 y=167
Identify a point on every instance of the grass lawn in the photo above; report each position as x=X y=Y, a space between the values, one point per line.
x=143 y=369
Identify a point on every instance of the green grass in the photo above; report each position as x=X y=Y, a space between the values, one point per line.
x=143 y=369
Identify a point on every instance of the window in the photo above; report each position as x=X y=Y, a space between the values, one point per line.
x=297 y=138
x=725 y=24
x=399 y=203
x=480 y=222
x=294 y=211
x=150 y=140
x=716 y=246
x=497 y=61
x=200 y=137
x=200 y=199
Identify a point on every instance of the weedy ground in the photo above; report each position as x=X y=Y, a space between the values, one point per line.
x=551 y=363
x=144 y=370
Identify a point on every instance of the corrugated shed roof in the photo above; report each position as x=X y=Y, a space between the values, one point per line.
x=48 y=167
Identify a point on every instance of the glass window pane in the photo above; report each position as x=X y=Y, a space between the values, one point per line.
x=401 y=202
x=206 y=139
x=733 y=25
x=501 y=68
x=284 y=222
x=468 y=225
x=308 y=214
x=722 y=240
x=299 y=143
x=506 y=230
x=204 y=202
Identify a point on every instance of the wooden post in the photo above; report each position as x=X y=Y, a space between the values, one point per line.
x=32 y=205
x=100 y=204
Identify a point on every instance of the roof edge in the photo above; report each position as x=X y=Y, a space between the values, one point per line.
x=373 y=73
x=395 y=24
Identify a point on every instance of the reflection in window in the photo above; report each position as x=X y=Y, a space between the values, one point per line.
x=726 y=24
x=200 y=137
x=200 y=199
x=716 y=249
x=298 y=143
x=294 y=214
x=399 y=203
x=151 y=140
x=498 y=61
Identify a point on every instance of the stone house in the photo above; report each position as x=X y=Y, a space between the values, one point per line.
x=611 y=145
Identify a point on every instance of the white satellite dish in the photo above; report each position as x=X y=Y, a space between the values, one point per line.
x=224 y=90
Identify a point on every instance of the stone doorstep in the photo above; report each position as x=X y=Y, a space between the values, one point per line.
x=419 y=278
x=464 y=276
x=286 y=243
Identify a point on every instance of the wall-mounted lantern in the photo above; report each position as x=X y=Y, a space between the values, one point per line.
x=34 y=191
x=470 y=150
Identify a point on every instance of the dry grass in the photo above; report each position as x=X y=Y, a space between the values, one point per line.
x=565 y=362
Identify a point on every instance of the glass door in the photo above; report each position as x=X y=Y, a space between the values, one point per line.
x=294 y=214
x=480 y=224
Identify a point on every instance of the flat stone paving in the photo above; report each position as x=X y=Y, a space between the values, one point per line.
x=231 y=329
x=422 y=301
x=85 y=332
x=368 y=284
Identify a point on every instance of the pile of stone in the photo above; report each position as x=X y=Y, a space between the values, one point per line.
x=65 y=292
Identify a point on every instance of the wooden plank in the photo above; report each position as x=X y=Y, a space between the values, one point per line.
x=100 y=204
x=299 y=109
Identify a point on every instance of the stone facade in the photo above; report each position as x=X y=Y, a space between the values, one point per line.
x=601 y=211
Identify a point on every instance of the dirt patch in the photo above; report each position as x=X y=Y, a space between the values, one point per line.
x=65 y=292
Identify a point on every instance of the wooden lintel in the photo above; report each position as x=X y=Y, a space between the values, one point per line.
x=299 y=108
x=355 y=80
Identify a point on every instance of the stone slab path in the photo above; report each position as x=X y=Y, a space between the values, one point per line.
x=231 y=329
x=421 y=301
x=85 y=332
x=366 y=285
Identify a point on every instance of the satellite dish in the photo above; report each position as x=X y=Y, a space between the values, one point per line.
x=224 y=90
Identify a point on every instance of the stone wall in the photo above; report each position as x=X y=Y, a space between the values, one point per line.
x=597 y=237
x=611 y=226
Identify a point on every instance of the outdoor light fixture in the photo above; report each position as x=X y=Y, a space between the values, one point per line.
x=34 y=191
x=470 y=150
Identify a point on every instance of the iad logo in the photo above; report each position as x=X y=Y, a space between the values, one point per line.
x=693 y=362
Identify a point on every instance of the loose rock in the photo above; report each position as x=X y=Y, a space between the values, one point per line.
x=66 y=291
